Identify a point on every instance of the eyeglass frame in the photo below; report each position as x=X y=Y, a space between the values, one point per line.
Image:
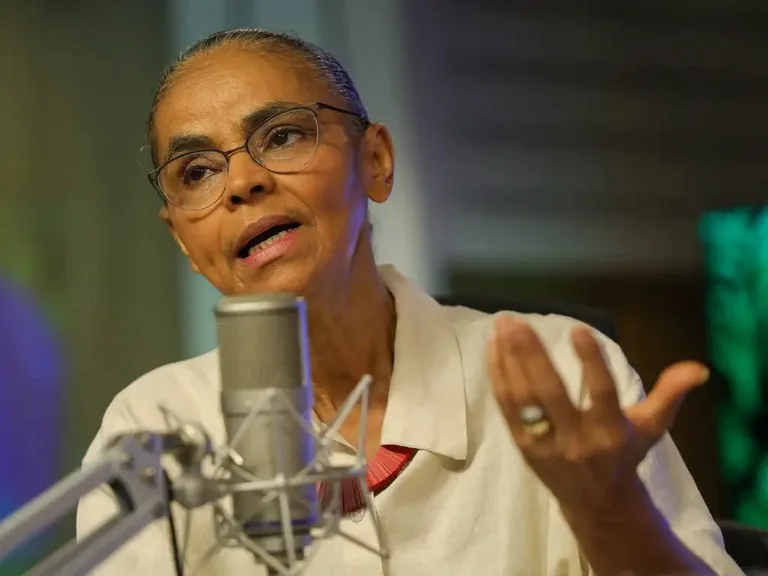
x=314 y=108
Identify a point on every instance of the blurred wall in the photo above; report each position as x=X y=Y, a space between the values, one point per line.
x=587 y=135
x=78 y=218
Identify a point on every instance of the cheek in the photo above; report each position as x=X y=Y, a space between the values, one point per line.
x=200 y=238
x=337 y=200
x=339 y=214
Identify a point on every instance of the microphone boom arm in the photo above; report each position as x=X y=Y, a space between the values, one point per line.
x=131 y=466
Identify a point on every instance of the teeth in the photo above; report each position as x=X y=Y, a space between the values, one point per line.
x=268 y=242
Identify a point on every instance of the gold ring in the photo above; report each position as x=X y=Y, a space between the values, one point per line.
x=538 y=429
x=535 y=422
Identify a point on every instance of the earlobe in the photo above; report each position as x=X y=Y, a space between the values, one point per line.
x=380 y=190
x=166 y=218
x=184 y=251
x=381 y=163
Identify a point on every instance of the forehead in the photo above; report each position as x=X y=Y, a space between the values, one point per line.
x=213 y=92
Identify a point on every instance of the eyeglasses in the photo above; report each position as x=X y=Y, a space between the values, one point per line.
x=284 y=144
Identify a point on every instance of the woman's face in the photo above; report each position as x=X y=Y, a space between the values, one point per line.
x=325 y=204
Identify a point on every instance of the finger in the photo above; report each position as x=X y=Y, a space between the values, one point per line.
x=596 y=376
x=529 y=356
x=511 y=385
x=655 y=415
x=497 y=373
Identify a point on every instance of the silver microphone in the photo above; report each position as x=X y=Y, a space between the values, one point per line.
x=264 y=363
x=274 y=458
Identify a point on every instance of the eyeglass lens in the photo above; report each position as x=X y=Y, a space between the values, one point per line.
x=285 y=143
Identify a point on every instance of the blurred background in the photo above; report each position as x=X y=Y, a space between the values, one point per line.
x=608 y=154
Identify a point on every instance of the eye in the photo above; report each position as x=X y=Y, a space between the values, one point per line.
x=283 y=136
x=194 y=174
x=197 y=169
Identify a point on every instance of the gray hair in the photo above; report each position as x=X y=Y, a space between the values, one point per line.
x=324 y=64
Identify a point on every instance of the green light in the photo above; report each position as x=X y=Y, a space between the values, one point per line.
x=738 y=449
x=736 y=251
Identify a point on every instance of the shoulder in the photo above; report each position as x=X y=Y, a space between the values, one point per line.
x=553 y=329
x=191 y=381
x=187 y=390
x=473 y=329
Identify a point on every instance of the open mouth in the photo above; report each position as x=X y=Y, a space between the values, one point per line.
x=266 y=239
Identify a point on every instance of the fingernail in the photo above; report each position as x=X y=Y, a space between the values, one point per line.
x=704 y=374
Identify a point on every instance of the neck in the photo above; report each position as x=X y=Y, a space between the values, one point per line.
x=352 y=333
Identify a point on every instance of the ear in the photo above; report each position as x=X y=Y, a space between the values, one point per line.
x=378 y=162
x=165 y=216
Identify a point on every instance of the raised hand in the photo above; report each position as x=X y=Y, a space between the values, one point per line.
x=587 y=458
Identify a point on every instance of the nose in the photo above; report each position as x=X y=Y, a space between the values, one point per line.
x=246 y=179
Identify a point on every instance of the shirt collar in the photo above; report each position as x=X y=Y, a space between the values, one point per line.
x=426 y=407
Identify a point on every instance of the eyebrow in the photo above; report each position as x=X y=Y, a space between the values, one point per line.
x=258 y=117
x=182 y=143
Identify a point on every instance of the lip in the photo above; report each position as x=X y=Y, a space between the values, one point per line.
x=275 y=251
x=260 y=226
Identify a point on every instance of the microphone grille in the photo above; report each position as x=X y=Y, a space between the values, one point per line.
x=262 y=341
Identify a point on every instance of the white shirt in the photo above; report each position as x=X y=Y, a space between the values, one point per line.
x=467 y=503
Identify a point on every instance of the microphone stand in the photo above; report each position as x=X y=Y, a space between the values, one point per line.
x=132 y=467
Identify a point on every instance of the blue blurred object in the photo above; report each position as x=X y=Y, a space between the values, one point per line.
x=31 y=404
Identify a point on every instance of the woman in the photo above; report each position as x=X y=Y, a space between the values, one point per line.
x=266 y=162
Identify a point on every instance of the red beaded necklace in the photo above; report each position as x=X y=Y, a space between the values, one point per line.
x=389 y=462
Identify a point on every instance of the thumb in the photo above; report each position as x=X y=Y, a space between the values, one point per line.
x=655 y=415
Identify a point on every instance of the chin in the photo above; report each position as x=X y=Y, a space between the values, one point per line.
x=279 y=277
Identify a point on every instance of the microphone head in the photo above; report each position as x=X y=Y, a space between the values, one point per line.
x=263 y=341
x=266 y=401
